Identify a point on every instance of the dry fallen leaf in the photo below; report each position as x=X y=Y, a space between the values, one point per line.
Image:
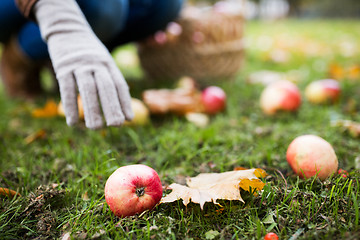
x=208 y=187
x=40 y=134
x=336 y=71
x=198 y=119
x=179 y=101
x=48 y=111
x=352 y=127
x=339 y=72
x=8 y=192
x=85 y=196
x=66 y=236
x=354 y=72
x=185 y=98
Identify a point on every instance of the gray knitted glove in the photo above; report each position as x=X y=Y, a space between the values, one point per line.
x=79 y=58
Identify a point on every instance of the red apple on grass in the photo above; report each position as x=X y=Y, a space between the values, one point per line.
x=323 y=91
x=281 y=95
x=271 y=236
x=133 y=189
x=310 y=155
x=213 y=99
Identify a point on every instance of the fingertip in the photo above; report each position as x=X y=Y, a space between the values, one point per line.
x=94 y=122
x=129 y=115
x=71 y=121
x=115 y=122
x=126 y=106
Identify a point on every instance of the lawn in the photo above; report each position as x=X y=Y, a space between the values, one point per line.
x=61 y=176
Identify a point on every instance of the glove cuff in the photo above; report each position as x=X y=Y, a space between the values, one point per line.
x=54 y=16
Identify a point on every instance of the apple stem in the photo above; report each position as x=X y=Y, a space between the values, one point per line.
x=140 y=191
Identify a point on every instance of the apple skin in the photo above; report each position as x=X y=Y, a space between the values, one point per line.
x=213 y=99
x=281 y=95
x=311 y=155
x=271 y=236
x=141 y=113
x=133 y=189
x=323 y=91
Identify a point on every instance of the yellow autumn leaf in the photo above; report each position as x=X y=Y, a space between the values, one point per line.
x=354 y=72
x=260 y=173
x=49 y=110
x=338 y=72
x=209 y=187
x=251 y=185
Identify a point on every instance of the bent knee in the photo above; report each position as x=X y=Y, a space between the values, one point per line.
x=106 y=17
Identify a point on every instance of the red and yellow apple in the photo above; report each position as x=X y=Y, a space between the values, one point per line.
x=281 y=95
x=311 y=155
x=141 y=113
x=213 y=99
x=323 y=91
x=133 y=189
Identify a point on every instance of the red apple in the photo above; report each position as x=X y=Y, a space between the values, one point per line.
x=133 y=189
x=213 y=99
x=310 y=155
x=271 y=236
x=323 y=91
x=281 y=95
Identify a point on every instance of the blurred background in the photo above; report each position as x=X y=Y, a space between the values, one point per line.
x=274 y=9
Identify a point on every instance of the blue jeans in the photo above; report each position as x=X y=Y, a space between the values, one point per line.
x=115 y=22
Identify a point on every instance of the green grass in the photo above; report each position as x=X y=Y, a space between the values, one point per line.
x=61 y=177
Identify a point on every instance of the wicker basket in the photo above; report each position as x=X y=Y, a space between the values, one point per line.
x=209 y=48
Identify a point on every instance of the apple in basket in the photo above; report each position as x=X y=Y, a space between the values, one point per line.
x=281 y=95
x=213 y=99
x=323 y=91
x=311 y=155
x=133 y=189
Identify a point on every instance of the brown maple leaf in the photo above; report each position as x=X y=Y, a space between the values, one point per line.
x=209 y=187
